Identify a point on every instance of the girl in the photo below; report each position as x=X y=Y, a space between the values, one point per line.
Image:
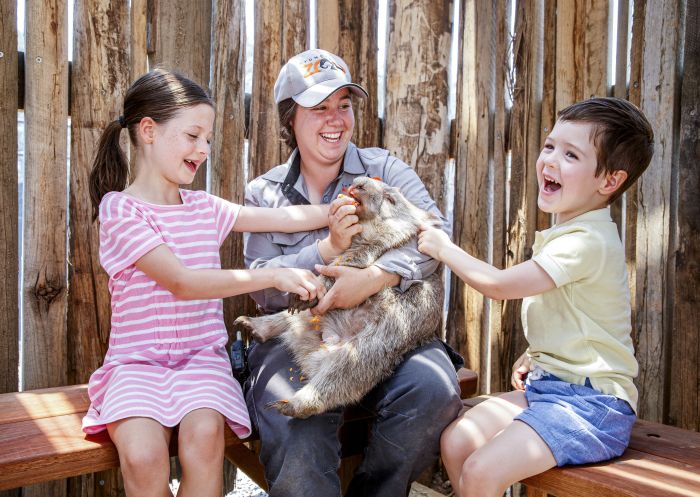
x=167 y=364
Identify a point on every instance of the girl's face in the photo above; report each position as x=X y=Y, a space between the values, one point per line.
x=182 y=144
x=568 y=186
x=323 y=132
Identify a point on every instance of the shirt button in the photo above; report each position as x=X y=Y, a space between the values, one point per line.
x=325 y=199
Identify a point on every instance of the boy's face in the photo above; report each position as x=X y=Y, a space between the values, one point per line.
x=566 y=168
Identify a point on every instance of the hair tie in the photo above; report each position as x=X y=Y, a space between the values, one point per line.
x=122 y=121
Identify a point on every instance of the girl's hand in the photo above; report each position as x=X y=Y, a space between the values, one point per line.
x=521 y=368
x=343 y=224
x=431 y=241
x=300 y=281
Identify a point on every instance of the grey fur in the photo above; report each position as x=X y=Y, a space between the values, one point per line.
x=352 y=350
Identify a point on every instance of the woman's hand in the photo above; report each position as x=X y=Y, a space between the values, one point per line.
x=352 y=286
x=300 y=281
x=521 y=368
x=431 y=241
x=343 y=224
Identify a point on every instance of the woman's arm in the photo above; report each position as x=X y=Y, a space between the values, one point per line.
x=161 y=265
x=283 y=219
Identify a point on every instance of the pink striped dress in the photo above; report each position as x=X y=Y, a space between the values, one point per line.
x=166 y=356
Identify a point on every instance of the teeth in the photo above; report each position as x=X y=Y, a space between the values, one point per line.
x=331 y=136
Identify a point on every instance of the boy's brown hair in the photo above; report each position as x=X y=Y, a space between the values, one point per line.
x=622 y=136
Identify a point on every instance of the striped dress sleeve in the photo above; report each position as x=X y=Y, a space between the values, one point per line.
x=126 y=235
x=225 y=213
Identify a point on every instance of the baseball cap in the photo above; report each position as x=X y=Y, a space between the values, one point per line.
x=310 y=77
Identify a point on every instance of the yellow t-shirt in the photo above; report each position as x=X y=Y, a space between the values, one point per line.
x=582 y=328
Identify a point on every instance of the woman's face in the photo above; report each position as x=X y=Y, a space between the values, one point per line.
x=324 y=131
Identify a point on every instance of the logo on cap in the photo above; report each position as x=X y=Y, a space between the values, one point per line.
x=319 y=65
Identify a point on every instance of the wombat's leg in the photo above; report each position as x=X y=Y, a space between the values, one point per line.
x=264 y=327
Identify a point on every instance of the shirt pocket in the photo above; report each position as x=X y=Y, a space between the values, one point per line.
x=292 y=243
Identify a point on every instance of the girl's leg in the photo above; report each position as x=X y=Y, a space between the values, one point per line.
x=142 y=444
x=513 y=455
x=201 y=451
x=474 y=429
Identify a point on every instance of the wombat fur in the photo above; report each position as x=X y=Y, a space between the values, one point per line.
x=346 y=352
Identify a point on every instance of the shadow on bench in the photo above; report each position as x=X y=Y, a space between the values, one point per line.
x=41 y=437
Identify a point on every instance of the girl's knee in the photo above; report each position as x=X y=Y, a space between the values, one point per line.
x=202 y=440
x=146 y=461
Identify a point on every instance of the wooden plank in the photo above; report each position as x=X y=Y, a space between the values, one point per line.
x=101 y=39
x=499 y=377
x=349 y=29
x=666 y=441
x=467 y=326
x=655 y=247
x=630 y=238
x=632 y=475
x=549 y=86
x=9 y=255
x=227 y=166
x=684 y=406
x=524 y=142
x=581 y=50
x=416 y=127
x=280 y=33
x=45 y=284
x=620 y=89
x=138 y=42
x=43 y=403
x=181 y=40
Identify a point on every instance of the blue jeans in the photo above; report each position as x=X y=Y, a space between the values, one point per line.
x=302 y=456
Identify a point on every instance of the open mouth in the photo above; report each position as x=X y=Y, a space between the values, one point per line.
x=191 y=165
x=350 y=192
x=550 y=185
x=332 y=137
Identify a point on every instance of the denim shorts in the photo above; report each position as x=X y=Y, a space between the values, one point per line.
x=579 y=423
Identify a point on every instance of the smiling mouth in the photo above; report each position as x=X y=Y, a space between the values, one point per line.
x=191 y=165
x=550 y=185
x=332 y=137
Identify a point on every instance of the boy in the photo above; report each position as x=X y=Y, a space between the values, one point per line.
x=579 y=402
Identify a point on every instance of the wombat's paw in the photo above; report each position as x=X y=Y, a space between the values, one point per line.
x=302 y=405
x=283 y=406
x=249 y=324
x=298 y=305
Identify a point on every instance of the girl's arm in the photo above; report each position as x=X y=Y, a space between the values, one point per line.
x=522 y=280
x=288 y=219
x=161 y=265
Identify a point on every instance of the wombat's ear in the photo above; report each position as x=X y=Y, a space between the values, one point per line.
x=391 y=194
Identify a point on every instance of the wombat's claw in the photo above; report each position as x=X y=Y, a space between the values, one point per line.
x=281 y=405
x=298 y=305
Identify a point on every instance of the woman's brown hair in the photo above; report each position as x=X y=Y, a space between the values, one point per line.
x=158 y=94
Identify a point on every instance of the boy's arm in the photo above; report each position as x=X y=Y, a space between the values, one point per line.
x=523 y=280
x=288 y=219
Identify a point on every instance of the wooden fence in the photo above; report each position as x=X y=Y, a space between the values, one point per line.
x=510 y=83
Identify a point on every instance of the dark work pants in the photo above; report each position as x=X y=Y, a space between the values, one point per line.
x=302 y=456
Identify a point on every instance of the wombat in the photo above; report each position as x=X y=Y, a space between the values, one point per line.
x=346 y=352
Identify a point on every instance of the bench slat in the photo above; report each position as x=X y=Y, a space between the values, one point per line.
x=44 y=403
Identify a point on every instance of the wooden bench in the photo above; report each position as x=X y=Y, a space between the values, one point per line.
x=41 y=437
x=661 y=461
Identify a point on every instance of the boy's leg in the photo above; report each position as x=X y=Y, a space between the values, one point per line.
x=476 y=427
x=201 y=452
x=142 y=444
x=516 y=453
x=301 y=456
x=413 y=406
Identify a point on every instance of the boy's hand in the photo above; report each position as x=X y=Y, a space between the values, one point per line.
x=342 y=225
x=300 y=281
x=521 y=368
x=431 y=241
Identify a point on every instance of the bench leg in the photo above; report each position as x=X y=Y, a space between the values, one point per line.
x=247 y=461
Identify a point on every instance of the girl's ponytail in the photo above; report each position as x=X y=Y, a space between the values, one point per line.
x=110 y=169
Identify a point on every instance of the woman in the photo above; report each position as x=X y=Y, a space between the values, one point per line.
x=314 y=94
